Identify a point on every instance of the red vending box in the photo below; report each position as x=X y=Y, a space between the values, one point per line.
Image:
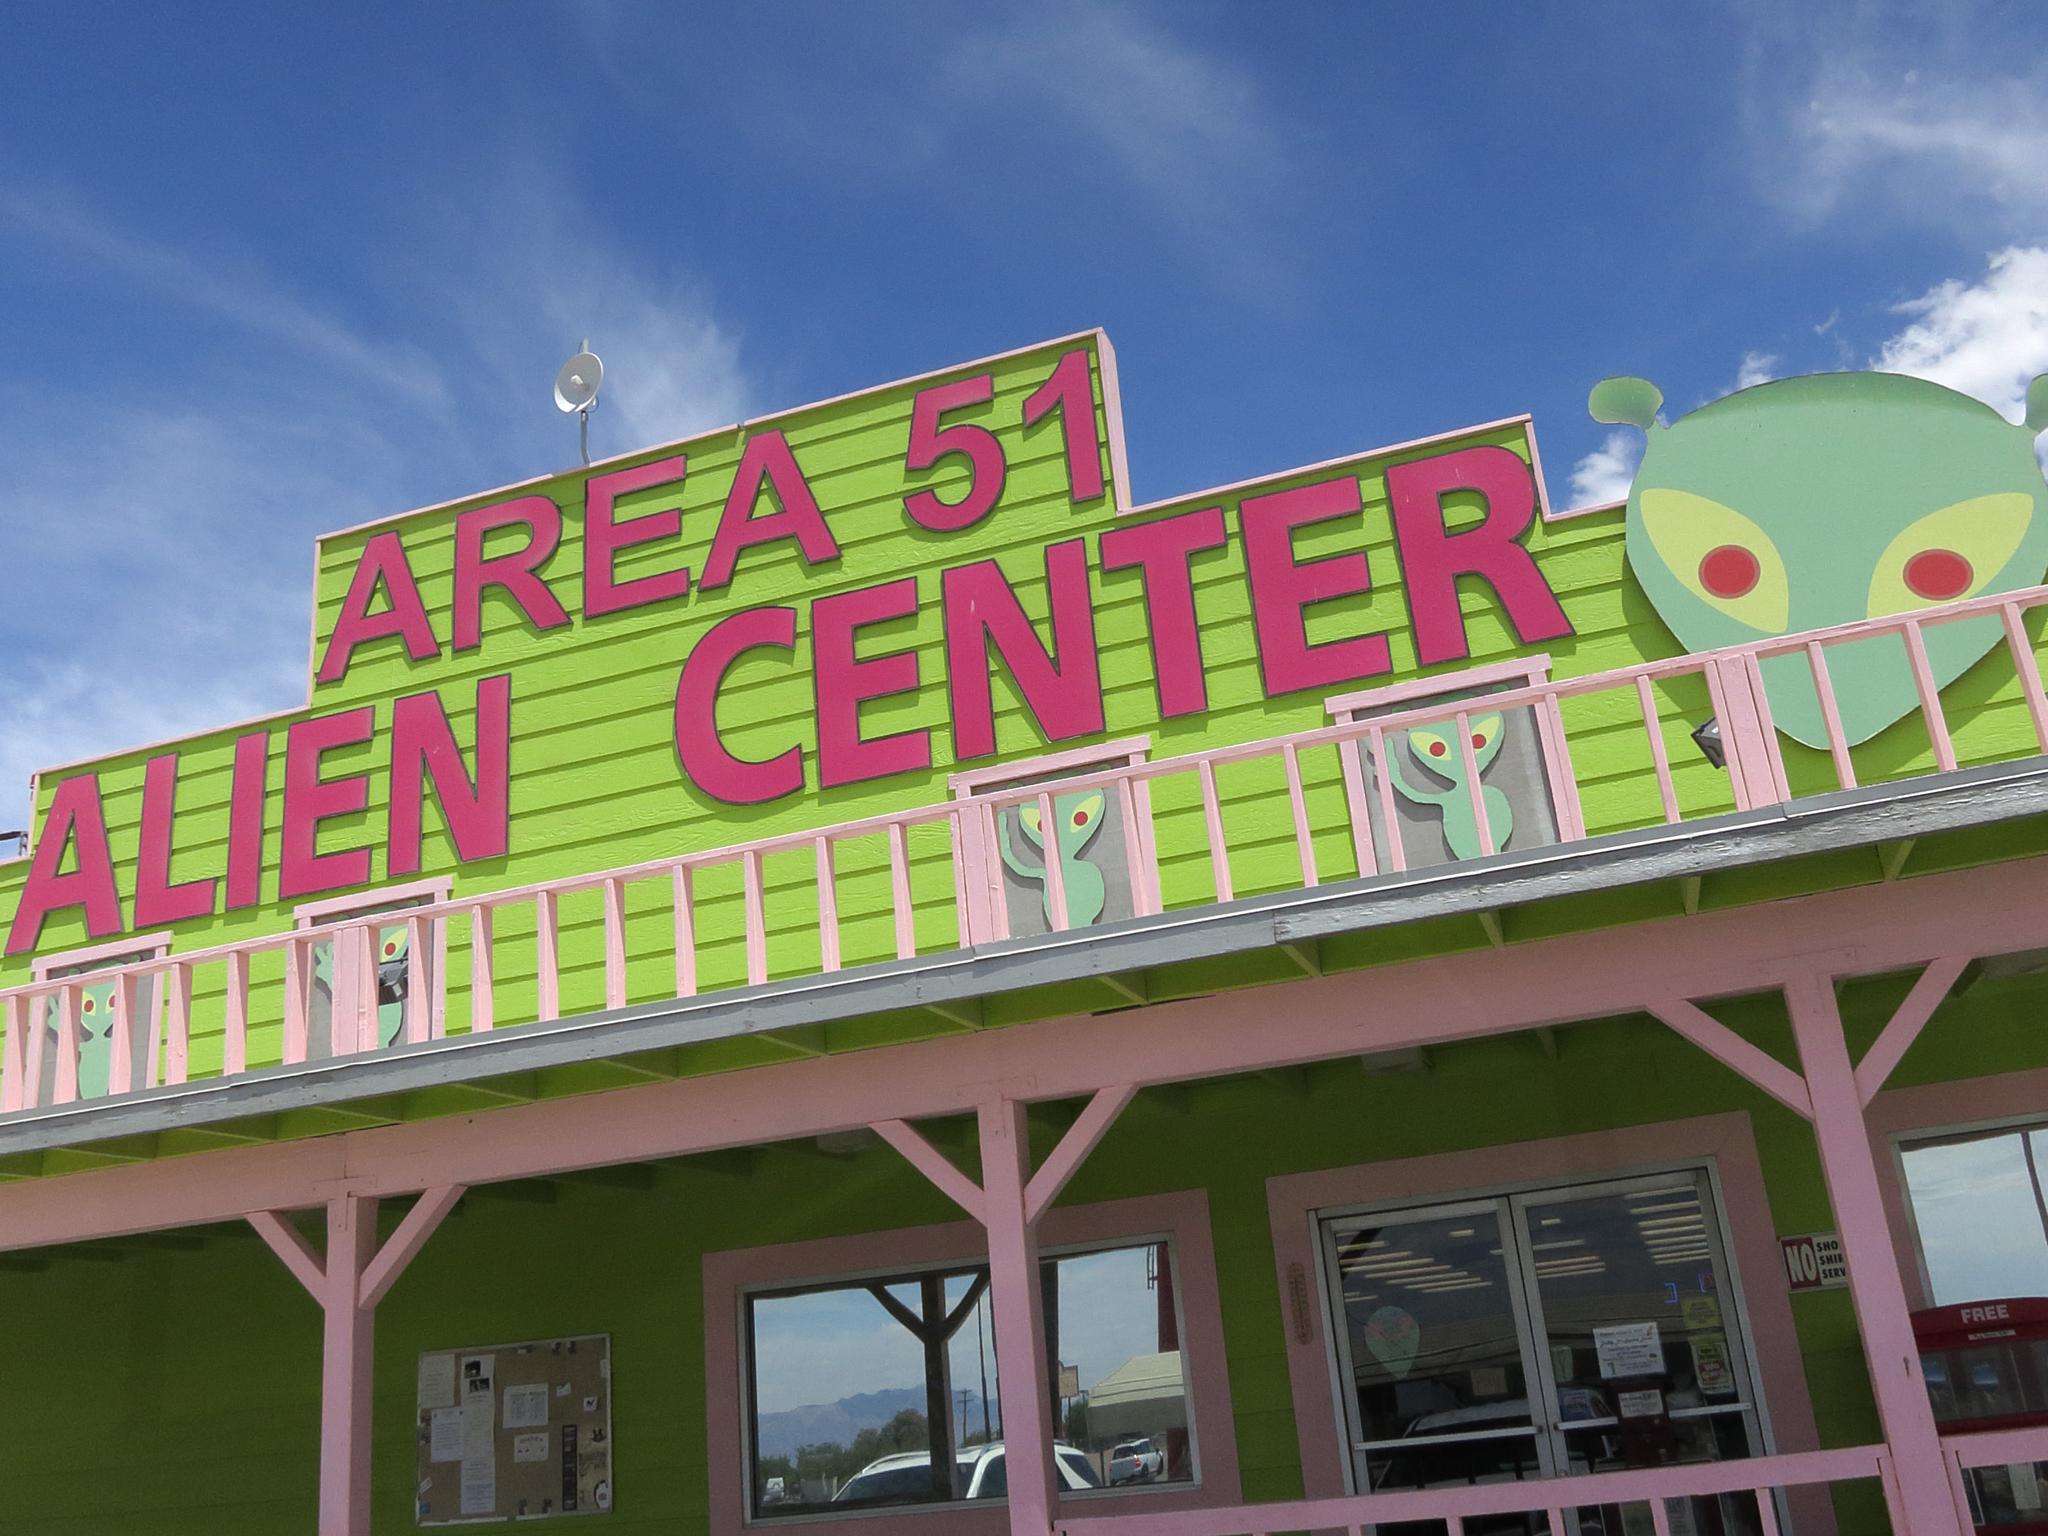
x=1986 y=1365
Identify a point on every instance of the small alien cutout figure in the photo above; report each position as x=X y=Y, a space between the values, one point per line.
x=95 y=1040
x=392 y=953
x=1810 y=502
x=1079 y=818
x=1437 y=749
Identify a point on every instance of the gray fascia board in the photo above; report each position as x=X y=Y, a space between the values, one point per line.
x=1817 y=824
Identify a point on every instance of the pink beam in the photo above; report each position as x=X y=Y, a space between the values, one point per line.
x=1074 y=1147
x=1875 y=1289
x=286 y=1242
x=1878 y=927
x=936 y=1166
x=1904 y=1028
x=1750 y=1062
x=347 y=1352
x=403 y=1246
x=1022 y=1379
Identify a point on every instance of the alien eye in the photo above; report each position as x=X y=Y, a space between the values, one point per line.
x=390 y=947
x=1720 y=556
x=1950 y=554
x=1730 y=571
x=1080 y=818
x=88 y=1006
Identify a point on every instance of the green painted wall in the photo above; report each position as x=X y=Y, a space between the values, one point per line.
x=176 y=1392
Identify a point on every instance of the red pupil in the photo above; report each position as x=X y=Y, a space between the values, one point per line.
x=1437 y=749
x=1080 y=818
x=1479 y=740
x=1730 y=571
x=1938 y=574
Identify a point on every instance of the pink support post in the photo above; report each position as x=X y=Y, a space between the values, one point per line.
x=481 y=1014
x=1473 y=788
x=38 y=1005
x=1074 y=1147
x=347 y=1352
x=1356 y=811
x=934 y=1165
x=1749 y=1061
x=1659 y=758
x=1055 y=874
x=1831 y=715
x=756 y=917
x=1904 y=1026
x=1930 y=698
x=1390 y=816
x=1134 y=852
x=1023 y=1381
x=298 y=995
x=69 y=1001
x=121 y=1040
x=1879 y=1296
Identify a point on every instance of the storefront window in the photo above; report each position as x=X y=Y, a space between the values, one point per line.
x=880 y=1393
x=1980 y=1212
x=1545 y=1334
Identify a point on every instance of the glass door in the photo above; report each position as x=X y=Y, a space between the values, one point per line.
x=1580 y=1329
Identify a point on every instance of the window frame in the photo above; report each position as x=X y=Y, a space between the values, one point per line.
x=1901 y=1141
x=392 y=899
x=140 y=948
x=733 y=1277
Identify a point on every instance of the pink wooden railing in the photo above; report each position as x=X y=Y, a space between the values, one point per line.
x=1993 y=1448
x=1550 y=1497
x=1622 y=700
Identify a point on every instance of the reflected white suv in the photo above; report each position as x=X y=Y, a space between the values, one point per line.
x=984 y=1474
x=1134 y=1461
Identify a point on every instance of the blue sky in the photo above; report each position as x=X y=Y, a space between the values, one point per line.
x=270 y=270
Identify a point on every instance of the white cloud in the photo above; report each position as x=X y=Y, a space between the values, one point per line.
x=1987 y=338
x=1756 y=368
x=160 y=549
x=1604 y=474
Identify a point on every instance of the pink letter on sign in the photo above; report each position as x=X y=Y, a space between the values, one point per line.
x=767 y=462
x=1162 y=550
x=1433 y=557
x=604 y=536
x=1283 y=588
x=156 y=899
x=250 y=785
x=516 y=574
x=76 y=818
x=1064 y=695
x=477 y=811
x=310 y=800
x=704 y=756
x=845 y=681
x=383 y=565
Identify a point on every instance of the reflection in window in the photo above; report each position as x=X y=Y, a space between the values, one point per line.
x=1980 y=1211
x=877 y=1393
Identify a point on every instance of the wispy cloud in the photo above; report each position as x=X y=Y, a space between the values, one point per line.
x=1987 y=338
x=1756 y=368
x=165 y=547
x=1604 y=474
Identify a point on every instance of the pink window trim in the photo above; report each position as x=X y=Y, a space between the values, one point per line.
x=374 y=903
x=1130 y=749
x=1934 y=1109
x=1520 y=672
x=152 y=946
x=1725 y=1141
x=1181 y=1218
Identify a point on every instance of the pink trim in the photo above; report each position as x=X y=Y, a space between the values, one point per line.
x=1182 y=1218
x=1131 y=749
x=1753 y=1064
x=1724 y=1141
x=935 y=1166
x=1865 y=930
x=405 y=1243
x=1590 y=509
x=1529 y=671
x=1904 y=1027
x=1113 y=411
x=290 y=1245
x=1081 y=1138
x=42 y=966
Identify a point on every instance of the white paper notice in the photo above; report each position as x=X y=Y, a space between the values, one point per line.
x=527 y=1407
x=530 y=1448
x=479 y=1435
x=437 y=1382
x=444 y=1435
x=1647 y=1404
x=2026 y=1486
x=1629 y=1349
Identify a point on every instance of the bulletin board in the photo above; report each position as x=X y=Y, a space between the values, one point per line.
x=515 y=1431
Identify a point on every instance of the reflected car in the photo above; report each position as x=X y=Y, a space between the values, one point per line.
x=984 y=1474
x=1134 y=1461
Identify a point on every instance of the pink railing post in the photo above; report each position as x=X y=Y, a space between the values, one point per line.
x=828 y=904
x=1930 y=697
x=1390 y=816
x=1212 y=819
x=298 y=997
x=121 y=1036
x=686 y=932
x=1831 y=715
x=178 y=1022
x=13 y=1050
x=2028 y=667
x=1875 y=1290
x=1297 y=804
x=1142 y=881
x=419 y=1000
x=757 y=917
x=547 y=955
x=1356 y=811
x=482 y=1010
x=1055 y=874
x=235 y=1017
x=1474 y=790
x=614 y=944
x=70 y=999
x=899 y=893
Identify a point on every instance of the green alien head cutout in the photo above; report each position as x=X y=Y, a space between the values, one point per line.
x=1808 y=502
x=1077 y=818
